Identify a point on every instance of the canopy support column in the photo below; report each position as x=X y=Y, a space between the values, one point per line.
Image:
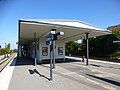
x=87 y=47
x=19 y=50
x=19 y=46
x=35 y=49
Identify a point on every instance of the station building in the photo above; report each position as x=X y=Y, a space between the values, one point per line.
x=32 y=36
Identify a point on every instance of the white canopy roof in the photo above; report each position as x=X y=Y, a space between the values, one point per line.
x=74 y=30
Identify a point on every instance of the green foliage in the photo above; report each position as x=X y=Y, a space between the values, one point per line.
x=99 y=46
x=116 y=33
x=103 y=45
x=5 y=50
x=115 y=54
x=14 y=51
x=2 y=51
x=73 y=48
x=8 y=48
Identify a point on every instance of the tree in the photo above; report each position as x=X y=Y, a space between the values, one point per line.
x=2 y=51
x=116 y=33
x=103 y=45
x=8 y=49
x=73 y=48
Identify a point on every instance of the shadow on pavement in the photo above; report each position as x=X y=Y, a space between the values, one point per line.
x=106 y=80
x=60 y=61
x=34 y=71
x=96 y=65
x=22 y=61
x=29 y=61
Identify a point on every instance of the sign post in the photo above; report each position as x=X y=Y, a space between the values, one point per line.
x=50 y=40
x=54 y=38
x=53 y=54
x=51 y=45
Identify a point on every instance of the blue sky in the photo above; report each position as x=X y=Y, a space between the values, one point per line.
x=101 y=13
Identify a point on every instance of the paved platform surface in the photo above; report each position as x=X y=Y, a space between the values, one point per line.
x=72 y=75
x=6 y=73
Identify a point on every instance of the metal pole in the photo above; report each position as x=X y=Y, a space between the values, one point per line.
x=54 y=54
x=35 y=49
x=51 y=60
x=53 y=43
x=83 y=58
x=87 y=46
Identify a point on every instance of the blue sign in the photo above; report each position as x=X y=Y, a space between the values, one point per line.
x=50 y=37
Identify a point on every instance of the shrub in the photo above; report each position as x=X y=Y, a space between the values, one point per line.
x=115 y=54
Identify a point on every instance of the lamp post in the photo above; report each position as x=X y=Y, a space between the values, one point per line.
x=53 y=32
x=50 y=40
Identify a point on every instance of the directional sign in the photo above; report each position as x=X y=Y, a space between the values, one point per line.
x=51 y=37
x=50 y=40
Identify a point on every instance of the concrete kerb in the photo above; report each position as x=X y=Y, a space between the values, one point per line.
x=76 y=58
